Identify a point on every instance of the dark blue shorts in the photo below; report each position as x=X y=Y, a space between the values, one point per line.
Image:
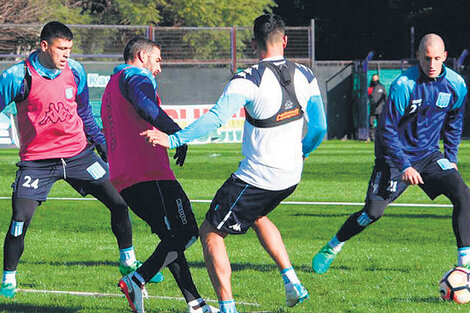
x=387 y=185
x=34 y=179
x=237 y=205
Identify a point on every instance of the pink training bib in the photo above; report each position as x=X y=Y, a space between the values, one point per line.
x=131 y=159
x=48 y=121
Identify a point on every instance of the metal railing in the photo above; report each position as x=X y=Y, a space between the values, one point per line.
x=180 y=45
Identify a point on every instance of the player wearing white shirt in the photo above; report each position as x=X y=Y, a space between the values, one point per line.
x=281 y=99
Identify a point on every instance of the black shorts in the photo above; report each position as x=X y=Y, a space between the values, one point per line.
x=34 y=179
x=237 y=205
x=163 y=204
x=386 y=182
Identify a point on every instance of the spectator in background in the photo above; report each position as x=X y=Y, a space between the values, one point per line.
x=377 y=96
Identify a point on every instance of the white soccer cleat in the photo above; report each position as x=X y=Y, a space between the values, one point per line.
x=295 y=293
x=132 y=289
x=204 y=309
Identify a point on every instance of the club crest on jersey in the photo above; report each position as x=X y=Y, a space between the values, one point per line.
x=69 y=93
x=443 y=99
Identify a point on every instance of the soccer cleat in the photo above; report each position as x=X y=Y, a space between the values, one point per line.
x=8 y=290
x=323 y=259
x=204 y=309
x=133 y=293
x=295 y=293
x=126 y=270
x=158 y=278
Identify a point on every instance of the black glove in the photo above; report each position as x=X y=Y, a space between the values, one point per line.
x=102 y=151
x=180 y=155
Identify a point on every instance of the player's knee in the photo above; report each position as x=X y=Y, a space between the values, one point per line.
x=364 y=219
x=17 y=228
x=191 y=237
x=371 y=213
x=184 y=239
x=462 y=196
x=458 y=192
x=120 y=209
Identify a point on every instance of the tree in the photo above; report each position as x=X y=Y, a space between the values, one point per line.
x=218 y=13
x=12 y=40
x=15 y=40
x=209 y=13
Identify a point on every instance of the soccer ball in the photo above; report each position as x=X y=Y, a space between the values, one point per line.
x=455 y=285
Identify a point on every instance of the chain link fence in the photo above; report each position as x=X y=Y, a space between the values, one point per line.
x=180 y=45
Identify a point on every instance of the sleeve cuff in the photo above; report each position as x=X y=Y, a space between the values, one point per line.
x=173 y=141
x=404 y=170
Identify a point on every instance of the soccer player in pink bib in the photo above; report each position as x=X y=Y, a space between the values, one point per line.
x=142 y=173
x=57 y=134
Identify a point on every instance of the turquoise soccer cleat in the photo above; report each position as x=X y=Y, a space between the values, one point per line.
x=8 y=290
x=322 y=260
x=158 y=278
x=126 y=270
x=133 y=292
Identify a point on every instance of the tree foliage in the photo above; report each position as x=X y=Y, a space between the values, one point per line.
x=210 y=13
x=214 y=13
x=13 y=40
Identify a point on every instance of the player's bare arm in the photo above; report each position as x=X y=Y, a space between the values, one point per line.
x=156 y=137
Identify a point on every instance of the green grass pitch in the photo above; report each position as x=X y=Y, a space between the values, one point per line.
x=394 y=266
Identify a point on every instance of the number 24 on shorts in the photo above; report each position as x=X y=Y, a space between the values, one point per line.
x=30 y=182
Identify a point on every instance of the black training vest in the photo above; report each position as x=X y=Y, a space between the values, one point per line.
x=290 y=109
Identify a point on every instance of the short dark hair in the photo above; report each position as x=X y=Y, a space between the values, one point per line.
x=266 y=26
x=54 y=30
x=137 y=44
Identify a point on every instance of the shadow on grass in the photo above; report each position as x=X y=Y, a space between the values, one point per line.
x=388 y=214
x=29 y=308
x=388 y=269
x=432 y=300
x=308 y=268
x=240 y=266
x=236 y=267
x=76 y=263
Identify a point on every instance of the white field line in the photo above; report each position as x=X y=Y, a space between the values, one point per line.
x=97 y=294
x=120 y=295
x=286 y=202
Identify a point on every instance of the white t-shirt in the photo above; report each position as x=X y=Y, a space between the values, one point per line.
x=272 y=156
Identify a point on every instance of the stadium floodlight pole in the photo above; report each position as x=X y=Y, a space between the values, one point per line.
x=366 y=61
x=412 y=42
x=233 y=48
x=151 y=32
x=311 y=42
x=460 y=60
